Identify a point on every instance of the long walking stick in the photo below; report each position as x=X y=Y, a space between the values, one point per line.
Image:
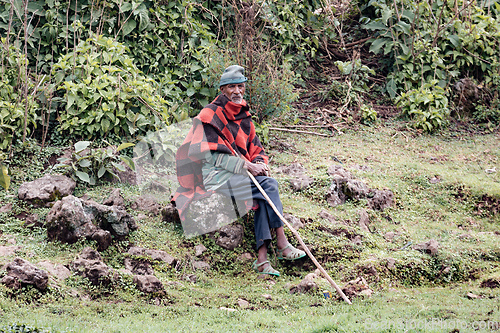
x=296 y=234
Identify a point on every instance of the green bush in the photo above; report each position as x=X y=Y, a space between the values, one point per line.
x=105 y=92
x=14 y=102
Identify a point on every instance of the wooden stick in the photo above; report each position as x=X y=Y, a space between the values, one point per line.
x=297 y=131
x=296 y=234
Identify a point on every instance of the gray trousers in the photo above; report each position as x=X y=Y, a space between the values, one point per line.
x=241 y=187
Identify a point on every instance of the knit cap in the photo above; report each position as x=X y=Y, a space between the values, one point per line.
x=232 y=75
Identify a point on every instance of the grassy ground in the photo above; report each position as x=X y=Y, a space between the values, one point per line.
x=422 y=293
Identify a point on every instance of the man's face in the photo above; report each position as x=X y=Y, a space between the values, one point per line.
x=234 y=92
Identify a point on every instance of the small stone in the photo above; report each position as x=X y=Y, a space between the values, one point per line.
x=434 y=180
x=267 y=296
x=389 y=236
x=199 y=249
x=227 y=309
x=6 y=251
x=431 y=247
x=294 y=221
x=357 y=240
x=6 y=208
x=243 y=303
x=201 y=265
x=364 y=220
x=391 y=263
x=56 y=270
x=473 y=296
x=148 y=283
x=115 y=199
x=11 y=241
x=246 y=256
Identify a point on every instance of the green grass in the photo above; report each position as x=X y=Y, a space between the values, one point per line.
x=420 y=289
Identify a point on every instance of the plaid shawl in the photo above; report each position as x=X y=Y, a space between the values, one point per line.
x=221 y=126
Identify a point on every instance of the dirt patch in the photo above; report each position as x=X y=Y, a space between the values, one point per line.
x=491 y=283
x=487 y=205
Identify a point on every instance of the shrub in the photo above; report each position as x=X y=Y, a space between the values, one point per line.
x=105 y=92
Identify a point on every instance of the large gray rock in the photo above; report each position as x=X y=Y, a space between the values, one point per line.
x=298 y=177
x=20 y=272
x=71 y=219
x=381 y=199
x=89 y=265
x=43 y=191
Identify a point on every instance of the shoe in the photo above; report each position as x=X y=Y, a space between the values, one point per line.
x=267 y=270
x=294 y=254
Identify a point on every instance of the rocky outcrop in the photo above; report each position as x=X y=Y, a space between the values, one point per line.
x=44 y=191
x=148 y=283
x=71 y=219
x=298 y=178
x=20 y=272
x=230 y=236
x=140 y=260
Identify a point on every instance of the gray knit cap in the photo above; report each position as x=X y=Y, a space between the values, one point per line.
x=232 y=75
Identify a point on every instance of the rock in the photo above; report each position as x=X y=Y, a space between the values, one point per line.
x=243 y=303
x=201 y=265
x=32 y=221
x=58 y=271
x=90 y=266
x=147 y=204
x=381 y=199
x=140 y=217
x=343 y=189
x=230 y=236
x=103 y=239
x=364 y=220
x=357 y=240
x=305 y=286
x=267 y=296
x=292 y=169
x=152 y=255
x=115 y=199
x=473 y=296
x=6 y=208
x=391 y=263
x=227 y=309
x=199 y=249
x=294 y=221
x=25 y=273
x=138 y=266
x=338 y=170
x=43 y=191
x=435 y=180
x=327 y=216
x=246 y=256
x=356 y=288
x=490 y=283
x=389 y=236
x=128 y=176
x=6 y=251
x=431 y=247
x=71 y=219
x=170 y=214
x=299 y=180
x=148 y=283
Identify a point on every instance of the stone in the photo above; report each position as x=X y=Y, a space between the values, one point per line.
x=294 y=221
x=152 y=255
x=244 y=304
x=58 y=271
x=327 y=216
x=338 y=170
x=6 y=208
x=43 y=191
x=147 y=204
x=473 y=296
x=90 y=266
x=246 y=256
x=230 y=236
x=430 y=247
x=391 y=263
x=227 y=309
x=305 y=286
x=26 y=274
x=381 y=199
x=389 y=236
x=199 y=249
x=267 y=296
x=357 y=240
x=148 y=284
x=103 y=239
x=115 y=198
x=300 y=182
x=72 y=218
x=170 y=214
x=128 y=176
x=201 y=265
x=491 y=283
x=138 y=266
x=6 y=251
x=32 y=220
x=355 y=189
x=364 y=220
x=356 y=288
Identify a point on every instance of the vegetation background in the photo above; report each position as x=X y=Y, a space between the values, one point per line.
x=420 y=77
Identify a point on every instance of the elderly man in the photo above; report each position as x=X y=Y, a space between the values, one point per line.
x=223 y=147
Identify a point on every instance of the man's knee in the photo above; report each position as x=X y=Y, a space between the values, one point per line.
x=270 y=184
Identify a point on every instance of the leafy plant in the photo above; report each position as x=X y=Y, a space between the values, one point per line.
x=93 y=164
x=368 y=114
x=427 y=106
x=106 y=92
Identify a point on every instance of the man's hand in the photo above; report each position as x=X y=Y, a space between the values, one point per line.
x=257 y=169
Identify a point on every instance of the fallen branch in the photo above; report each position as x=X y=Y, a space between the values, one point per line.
x=297 y=131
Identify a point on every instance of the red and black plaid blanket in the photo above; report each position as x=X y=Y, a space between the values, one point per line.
x=221 y=126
